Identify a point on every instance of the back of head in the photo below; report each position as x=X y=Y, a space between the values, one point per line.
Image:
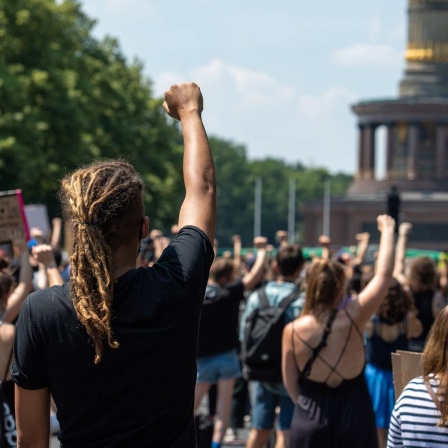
x=422 y=275
x=289 y=259
x=435 y=359
x=396 y=304
x=325 y=282
x=221 y=270
x=103 y=205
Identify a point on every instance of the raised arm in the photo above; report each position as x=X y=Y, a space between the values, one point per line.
x=372 y=295
x=184 y=102
x=255 y=275
x=43 y=254
x=282 y=237
x=325 y=242
x=21 y=291
x=56 y=233
x=363 y=244
x=236 y=239
x=403 y=231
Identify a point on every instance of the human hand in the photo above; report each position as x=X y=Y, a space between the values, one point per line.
x=260 y=242
x=182 y=99
x=405 y=228
x=18 y=240
x=281 y=235
x=236 y=238
x=362 y=236
x=385 y=223
x=43 y=253
x=324 y=240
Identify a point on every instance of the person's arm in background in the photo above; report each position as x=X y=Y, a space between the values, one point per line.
x=184 y=102
x=56 y=233
x=41 y=282
x=255 y=275
x=325 y=242
x=23 y=288
x=43 y=254
x=400 y=255
x=156 y=235
x=370 y=297
x=282 y=237
x=236 y=252
x=363 y=244
x=413 y=324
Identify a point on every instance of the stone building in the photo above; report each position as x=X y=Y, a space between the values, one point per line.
x=416 y=125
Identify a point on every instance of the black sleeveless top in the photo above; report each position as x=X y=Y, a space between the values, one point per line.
x=315 y=352
x=333 y=417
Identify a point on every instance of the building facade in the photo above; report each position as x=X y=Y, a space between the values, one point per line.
x=416 y=147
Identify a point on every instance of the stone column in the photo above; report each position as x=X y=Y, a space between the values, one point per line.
x=369 y=152
x=441 y=151
x=413 y=143
x=360 y=172
x=390 y=150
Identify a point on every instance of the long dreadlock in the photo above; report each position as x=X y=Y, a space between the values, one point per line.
x=103 y=203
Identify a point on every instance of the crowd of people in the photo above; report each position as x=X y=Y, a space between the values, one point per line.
x=124 y=351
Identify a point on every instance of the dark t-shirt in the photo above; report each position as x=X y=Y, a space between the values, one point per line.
x=218 y=330
x=141 y=394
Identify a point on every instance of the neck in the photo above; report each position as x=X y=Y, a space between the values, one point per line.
x=282 y=279
x=124 y=259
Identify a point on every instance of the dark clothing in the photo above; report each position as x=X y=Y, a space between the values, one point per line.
x=332 y=417
x=140 y=394
x=339 y=417
x=218 y=330
x=8 y=390
x=378 y=351
x=423 y=303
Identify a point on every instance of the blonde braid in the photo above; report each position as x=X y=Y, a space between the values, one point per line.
x=99 y=199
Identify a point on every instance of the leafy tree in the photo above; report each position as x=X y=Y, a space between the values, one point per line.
x=67 y=98
x=234 y=200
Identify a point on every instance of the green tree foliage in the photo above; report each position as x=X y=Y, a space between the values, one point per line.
x=234 y=197
x=67 y=98
x=236 y=177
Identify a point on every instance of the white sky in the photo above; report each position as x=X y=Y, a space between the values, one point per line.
x=278 y=77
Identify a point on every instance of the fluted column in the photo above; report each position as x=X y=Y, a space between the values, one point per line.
x=441 y=151
x=413 y=151
x=390 y=150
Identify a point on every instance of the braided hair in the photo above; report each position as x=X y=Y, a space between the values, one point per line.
x=103 y=205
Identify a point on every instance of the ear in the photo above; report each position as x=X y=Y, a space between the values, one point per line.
x=145 y=227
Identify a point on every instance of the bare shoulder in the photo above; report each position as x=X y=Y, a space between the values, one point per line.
x=353 y=308
x=304 y=323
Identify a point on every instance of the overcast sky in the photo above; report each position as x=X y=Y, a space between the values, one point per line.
x=278 y=77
